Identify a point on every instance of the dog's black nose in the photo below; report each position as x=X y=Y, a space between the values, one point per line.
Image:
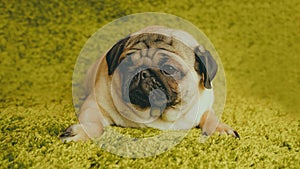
x=149 y=80
x=145 y=74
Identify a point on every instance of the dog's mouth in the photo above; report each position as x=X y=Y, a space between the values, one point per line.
x=149 y=88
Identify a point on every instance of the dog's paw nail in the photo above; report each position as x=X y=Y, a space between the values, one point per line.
x=236 y=134
x=65 y=134
x=232 y=133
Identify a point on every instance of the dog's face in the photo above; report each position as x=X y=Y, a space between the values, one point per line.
x=157 y=77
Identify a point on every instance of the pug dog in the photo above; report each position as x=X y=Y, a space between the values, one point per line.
x=157 y=77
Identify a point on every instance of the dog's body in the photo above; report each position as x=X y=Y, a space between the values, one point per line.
x=157 y=77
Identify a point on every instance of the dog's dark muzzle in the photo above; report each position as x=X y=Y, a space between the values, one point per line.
x=147 y=89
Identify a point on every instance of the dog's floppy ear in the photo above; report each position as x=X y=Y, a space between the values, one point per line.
x=205 y=65
x=113 y=55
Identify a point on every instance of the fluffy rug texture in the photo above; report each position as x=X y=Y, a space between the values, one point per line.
x=257 y=41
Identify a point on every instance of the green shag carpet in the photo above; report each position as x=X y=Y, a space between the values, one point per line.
x=258 y=42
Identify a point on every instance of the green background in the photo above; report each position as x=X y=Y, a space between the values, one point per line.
x=257 y=41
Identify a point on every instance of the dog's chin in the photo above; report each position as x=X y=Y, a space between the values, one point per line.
x=148 y=115
x=144 y=115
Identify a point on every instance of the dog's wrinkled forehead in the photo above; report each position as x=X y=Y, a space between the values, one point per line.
x=159 y=37
x=156 y=47
x=150 y=40
x=180 y=35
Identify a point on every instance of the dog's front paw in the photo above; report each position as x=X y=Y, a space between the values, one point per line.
x=74 y=133
x=210 y=124
x=225 y=129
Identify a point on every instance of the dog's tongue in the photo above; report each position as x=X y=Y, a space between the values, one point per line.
x=158 y=102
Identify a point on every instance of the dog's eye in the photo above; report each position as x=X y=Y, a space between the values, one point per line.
x=168 y=70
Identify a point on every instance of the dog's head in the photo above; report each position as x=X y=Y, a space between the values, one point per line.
x=157 y=76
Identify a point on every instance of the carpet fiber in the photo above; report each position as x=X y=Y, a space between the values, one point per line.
x=258 y=43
